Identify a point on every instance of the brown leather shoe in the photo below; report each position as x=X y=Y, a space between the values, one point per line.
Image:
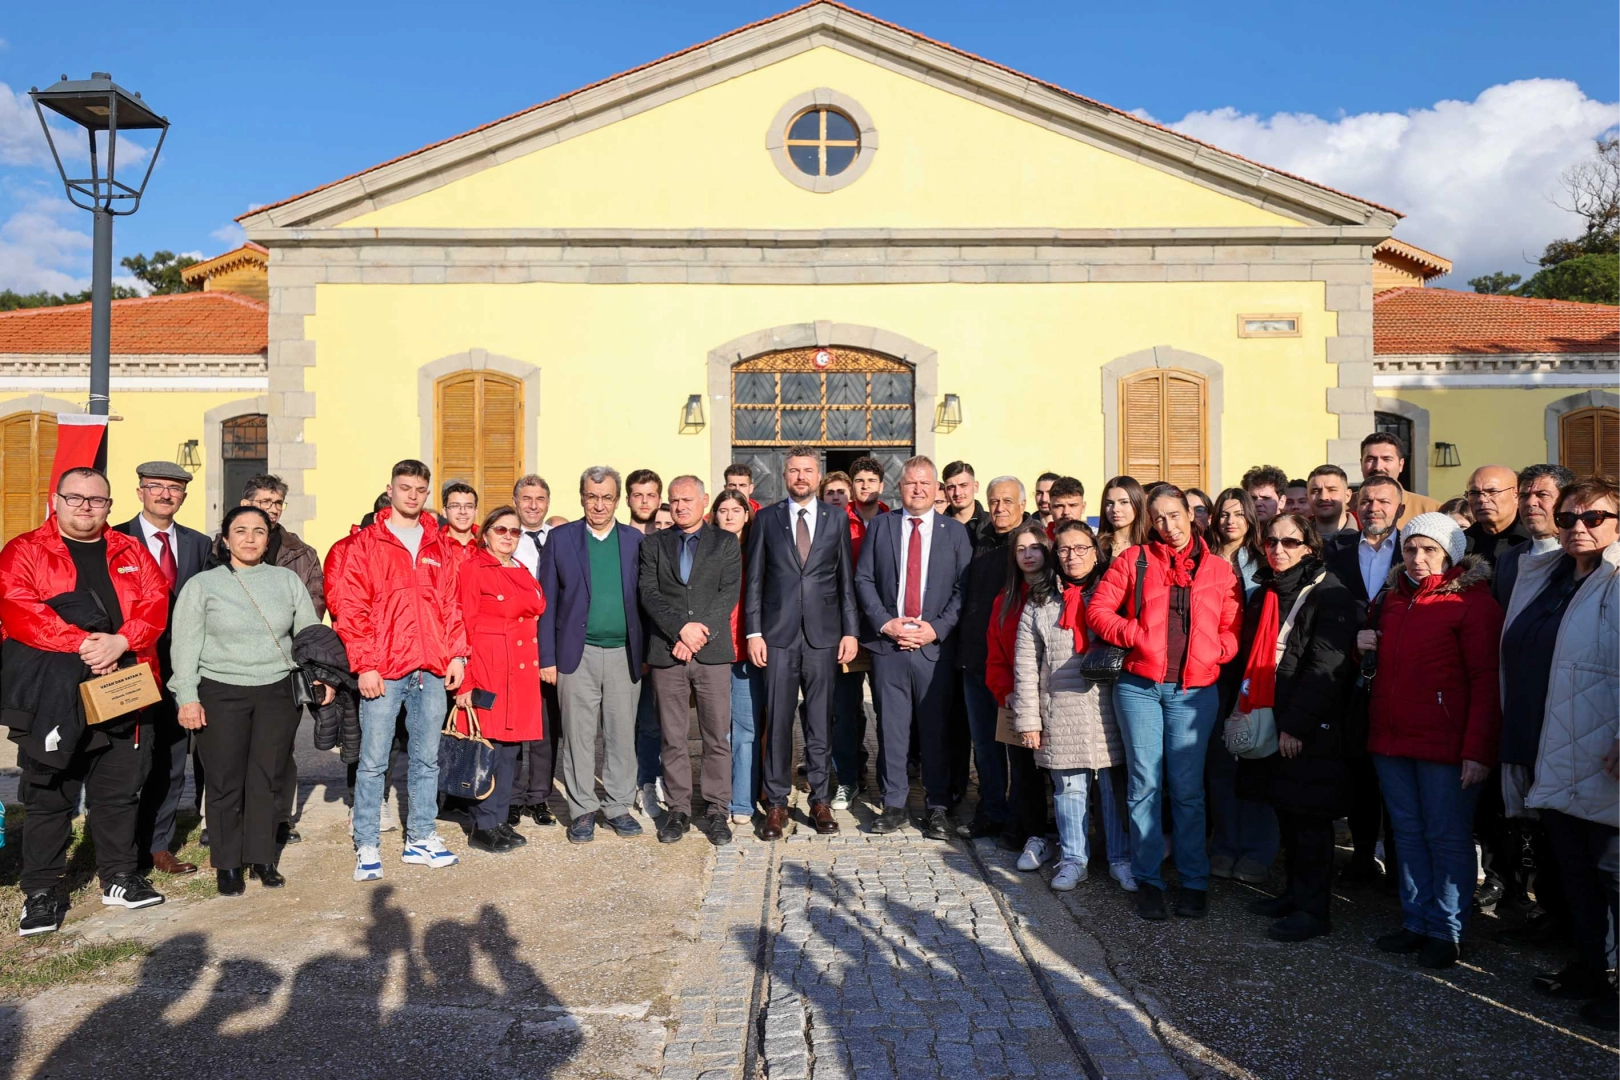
x=821 y=817
x=775 y=819
x=165 y=862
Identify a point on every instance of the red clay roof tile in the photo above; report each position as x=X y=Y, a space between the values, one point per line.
x=1439 y=321
x=194 y=323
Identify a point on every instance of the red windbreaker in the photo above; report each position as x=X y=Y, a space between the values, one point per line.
x=1001 y=639
x=395 y=617
x=857 y=528
x=1216 y=599
x=36 y=566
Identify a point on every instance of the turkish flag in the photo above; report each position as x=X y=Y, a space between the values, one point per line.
x=81 y=443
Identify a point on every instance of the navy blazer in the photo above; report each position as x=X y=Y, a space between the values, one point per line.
x=565 y=579
x=784 y=597
x=877 y=581
x=194 y=554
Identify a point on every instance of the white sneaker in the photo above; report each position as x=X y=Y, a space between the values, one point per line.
x=658 y=792
x=386 y=822
x=368 y=864
x=842 y=796
x=1069 y=874
x=1121 y=872
x=1034 y=854
x=649 y=799
x=428 y=852
x=742 y=819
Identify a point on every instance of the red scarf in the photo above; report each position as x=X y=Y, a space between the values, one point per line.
x=1178 y=566
x=1074 y=616
x=1260 y=674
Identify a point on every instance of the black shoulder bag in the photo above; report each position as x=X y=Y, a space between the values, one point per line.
x=303 y=687
x=1102 y=662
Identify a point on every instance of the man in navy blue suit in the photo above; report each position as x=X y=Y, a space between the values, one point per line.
x=909 y=585
x=591 y=648
x=800 y=617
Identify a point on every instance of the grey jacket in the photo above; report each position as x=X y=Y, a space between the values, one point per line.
x=1075 y=717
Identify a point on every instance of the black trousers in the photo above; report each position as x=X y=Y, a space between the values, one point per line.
x=160 y=794
x=537 y=760
x=110 y=779
x=789 y=671
x=287 y=784
x=958 y=738
x=1367 y=814
x=1307 y=843
x=1588 y=857
x=914 y=688
x=1026 y=794
x=245 y=743
x=489 y=812
x=1491 y=830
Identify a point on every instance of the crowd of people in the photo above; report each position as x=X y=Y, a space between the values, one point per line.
x=1193 y=681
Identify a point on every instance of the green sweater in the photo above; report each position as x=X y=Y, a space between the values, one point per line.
x=604 y=622
x=218 y=635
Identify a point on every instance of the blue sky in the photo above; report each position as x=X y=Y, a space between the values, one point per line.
x=270 y=100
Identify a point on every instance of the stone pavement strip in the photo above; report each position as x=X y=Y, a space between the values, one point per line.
x=890 y=957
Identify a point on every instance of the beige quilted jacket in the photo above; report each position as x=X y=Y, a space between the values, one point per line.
x=1075 y=717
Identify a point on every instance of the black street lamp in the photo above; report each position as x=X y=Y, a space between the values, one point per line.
x=98 y=104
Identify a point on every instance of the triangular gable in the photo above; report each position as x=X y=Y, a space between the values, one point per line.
x=821 y=23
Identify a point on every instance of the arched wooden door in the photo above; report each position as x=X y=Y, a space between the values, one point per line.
x=1589 y=441
x=845 y=402
x=478 y=433
x=1164 y=427
x=27 y=450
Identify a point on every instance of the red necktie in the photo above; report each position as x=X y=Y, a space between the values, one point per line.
x=166 y=561
x=914 y=570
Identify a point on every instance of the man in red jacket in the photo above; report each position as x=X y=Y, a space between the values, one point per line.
x=75 y=598
x=391 y=588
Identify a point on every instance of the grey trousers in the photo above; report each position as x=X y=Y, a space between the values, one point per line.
x=599 y=696
x=675 y=687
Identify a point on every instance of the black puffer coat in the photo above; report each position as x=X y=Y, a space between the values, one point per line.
x=1314 y=678
x=319 y=651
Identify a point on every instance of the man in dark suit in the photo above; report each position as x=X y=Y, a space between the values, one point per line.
x=909 y=586
x=801 y=623
x=179 y=553
x=591 y=645
x=690 y=577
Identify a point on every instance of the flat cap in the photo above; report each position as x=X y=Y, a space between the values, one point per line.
x=162 y=470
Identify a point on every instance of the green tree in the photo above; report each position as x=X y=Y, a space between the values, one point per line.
x=160 y=273
x=16 y=301
x=1593 y=279
x=1497 y=284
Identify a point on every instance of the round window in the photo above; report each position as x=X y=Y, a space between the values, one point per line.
x=822 y=142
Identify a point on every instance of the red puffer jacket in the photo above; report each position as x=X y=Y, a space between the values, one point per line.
x=36 y=566
x=1435 y=697
x=1217 y=614
x=395 y=617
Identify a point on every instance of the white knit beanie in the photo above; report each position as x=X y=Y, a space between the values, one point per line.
x=1442 y=530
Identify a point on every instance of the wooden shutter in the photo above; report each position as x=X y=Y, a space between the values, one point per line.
x=479 y=433
x=27 y=451
x=1589 y=441
x=1163 y=427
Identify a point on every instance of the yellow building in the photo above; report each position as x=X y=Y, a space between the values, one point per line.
x=819 y=228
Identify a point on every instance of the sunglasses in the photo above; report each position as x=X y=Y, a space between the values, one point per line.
x=1289 y=542
x=1566 y=519
x=503 y=530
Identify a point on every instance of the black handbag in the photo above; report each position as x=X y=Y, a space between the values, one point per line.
x=466 y=762
x=1103 y=662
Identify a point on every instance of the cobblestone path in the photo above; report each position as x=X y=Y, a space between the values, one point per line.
x=860 y=957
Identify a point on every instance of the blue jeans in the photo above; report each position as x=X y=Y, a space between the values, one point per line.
x=1433 y=815
x=1071 y=802
x=649 y=737
x=849 y=726
x=422 y=695
x=989 y=756
x=1111 y=785
x=1244 y=829
x=747 y=716
x=1166 y=732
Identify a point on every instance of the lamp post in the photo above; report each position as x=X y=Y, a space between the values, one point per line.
x=98 y=104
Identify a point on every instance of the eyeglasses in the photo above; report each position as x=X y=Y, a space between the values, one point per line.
x=269 y=504
x=164 y=489
x=1566 y=519
x=1076 y=551
x=1487 y=493
x=95 y=502
x=503 y=530
x=599 y=500
x=1288 y=542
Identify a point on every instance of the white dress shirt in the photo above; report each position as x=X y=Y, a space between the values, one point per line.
x=154 y=545
x=1376 y=561
x=528 y=549
x=793 y=509
x=927 y=530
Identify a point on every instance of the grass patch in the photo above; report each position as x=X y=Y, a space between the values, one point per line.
x=61 y=960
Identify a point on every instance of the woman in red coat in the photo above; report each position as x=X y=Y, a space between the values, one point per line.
x=501 y=604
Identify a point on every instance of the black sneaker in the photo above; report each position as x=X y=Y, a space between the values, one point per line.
x=42 y=914
x=511 y=834
x=130 y=891
x=583 y=829
x=625 y=825
x=493 y=841
x=1150 y=902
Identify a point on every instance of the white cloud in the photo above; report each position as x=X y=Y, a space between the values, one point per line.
x=38 y=250
x=22 y=142
x=1476 y=179
x=230 y=233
